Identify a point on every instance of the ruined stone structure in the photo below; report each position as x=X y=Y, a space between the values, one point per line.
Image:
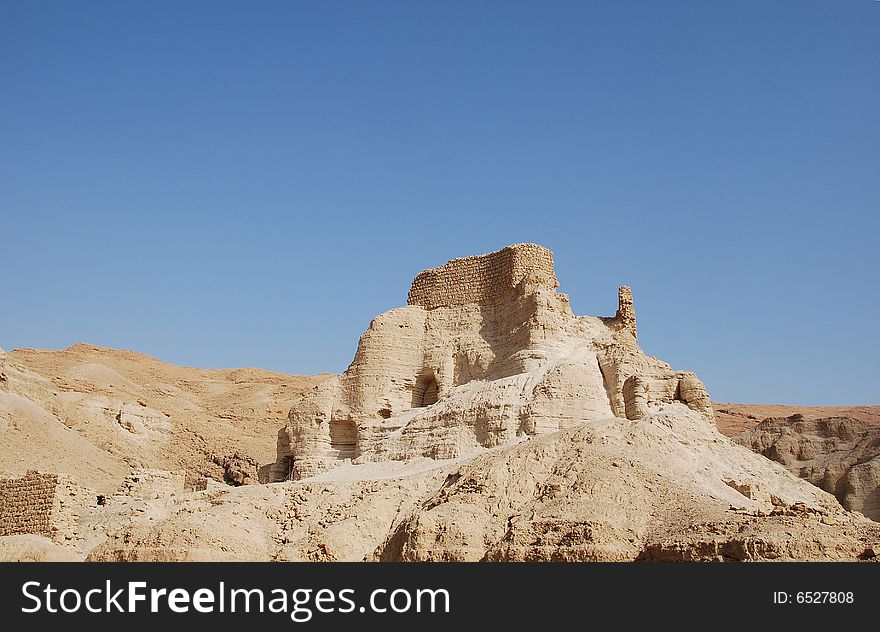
x=485 y=351
x=625 y=318
x=148 y=483
x=41 y=504
x=152 y=483
x=483 y=278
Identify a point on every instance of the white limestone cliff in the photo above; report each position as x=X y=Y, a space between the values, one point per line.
x=485 y=352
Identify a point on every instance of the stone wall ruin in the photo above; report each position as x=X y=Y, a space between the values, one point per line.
x=42 y=504
x=482 y=278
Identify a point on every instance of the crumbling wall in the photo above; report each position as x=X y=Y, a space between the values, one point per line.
x=197 y=483
x=26 y=504
x=149 y=484
x=194 y=482
x=152 y=483
x=482 y=278
x=69 y=499
x=41 y=504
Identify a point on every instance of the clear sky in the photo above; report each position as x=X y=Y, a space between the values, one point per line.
x=248 y=183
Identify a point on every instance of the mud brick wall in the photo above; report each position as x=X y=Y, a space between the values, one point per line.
x=26 y=504
x=41 y=504
x=483 y=278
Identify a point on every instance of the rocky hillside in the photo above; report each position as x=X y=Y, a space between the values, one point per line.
x=732 y=419
x=96 y=413
x=839 y=454
x=665 y=488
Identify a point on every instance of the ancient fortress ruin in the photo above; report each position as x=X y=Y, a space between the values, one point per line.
x=485 y=352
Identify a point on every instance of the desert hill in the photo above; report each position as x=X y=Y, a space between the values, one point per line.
x=96 y=413
x=732 y=419
x=481 y=421
x=839 y=454
x=836 y=448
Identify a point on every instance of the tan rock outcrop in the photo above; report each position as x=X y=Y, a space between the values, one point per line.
x=862 y=488
x=839 y=454
x=668 y=487
x=486 y=351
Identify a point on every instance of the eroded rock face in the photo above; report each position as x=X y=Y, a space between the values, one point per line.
x=838 y=454
x=485 y=421
x=485 y=351
x=668 y=487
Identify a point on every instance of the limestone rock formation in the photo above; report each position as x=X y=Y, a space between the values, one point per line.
x=839 y=454
x=668 y=487
x=482 y=421
x=485 y=351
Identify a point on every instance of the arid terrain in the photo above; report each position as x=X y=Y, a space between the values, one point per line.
x=218 y=412
x=732 y=419
x=482 y=421
x=97 y=413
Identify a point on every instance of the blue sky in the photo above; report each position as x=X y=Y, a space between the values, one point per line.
x=247 y=184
